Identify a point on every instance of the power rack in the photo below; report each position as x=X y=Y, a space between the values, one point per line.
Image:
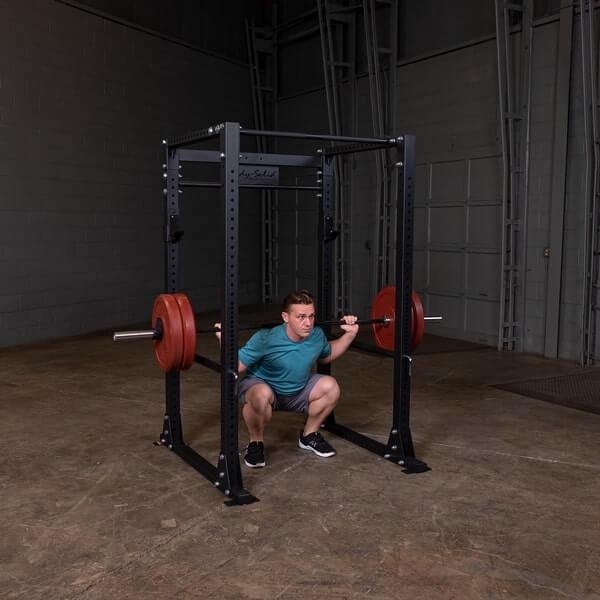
x=226 y=476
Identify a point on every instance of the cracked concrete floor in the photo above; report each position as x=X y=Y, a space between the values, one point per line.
x=91 y=509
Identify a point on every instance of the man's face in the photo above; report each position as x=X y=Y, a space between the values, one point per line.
x=300 y=319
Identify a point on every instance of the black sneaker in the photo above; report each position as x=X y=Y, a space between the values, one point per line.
x=255 y=455
x=317 y=444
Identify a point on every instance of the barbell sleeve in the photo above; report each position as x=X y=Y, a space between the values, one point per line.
x=434 y=318
x=146 y=334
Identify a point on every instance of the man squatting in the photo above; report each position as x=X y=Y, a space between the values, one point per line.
x=279 y=363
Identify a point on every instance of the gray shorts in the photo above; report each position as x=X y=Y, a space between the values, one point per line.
x=296 y=403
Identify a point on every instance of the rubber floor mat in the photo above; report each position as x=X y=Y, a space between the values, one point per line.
x=578 y=390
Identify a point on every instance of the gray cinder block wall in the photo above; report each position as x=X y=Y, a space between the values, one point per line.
x=84 y=105
x=457 y=256
x=543 y=106
x=572 y=282
x=449 y=102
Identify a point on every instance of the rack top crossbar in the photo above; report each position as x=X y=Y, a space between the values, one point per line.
x=213 y=131
x=320 y=136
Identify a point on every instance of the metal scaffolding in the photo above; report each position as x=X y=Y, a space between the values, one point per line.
x=338 y=22
x=338 y=25
x=591 y=248
x=337 y=30
x=514 y=87
x=381 y=69
x=262 y=58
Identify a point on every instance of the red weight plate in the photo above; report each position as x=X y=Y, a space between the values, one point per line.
x=188 y=323
x=169 y=349
x=384 y=305
x=417 y=320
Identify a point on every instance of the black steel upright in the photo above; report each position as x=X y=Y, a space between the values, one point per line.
x=226 y=476
x=229 y=460
x=172 y=434
x=327 y=235
x=400 y=444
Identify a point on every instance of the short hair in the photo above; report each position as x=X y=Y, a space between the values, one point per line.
x=299 y=297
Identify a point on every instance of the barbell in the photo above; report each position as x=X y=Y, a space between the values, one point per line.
x=174 y=327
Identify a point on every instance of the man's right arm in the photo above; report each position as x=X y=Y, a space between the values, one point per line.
x=241 y=365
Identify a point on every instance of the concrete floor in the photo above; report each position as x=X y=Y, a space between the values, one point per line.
x=91 y=509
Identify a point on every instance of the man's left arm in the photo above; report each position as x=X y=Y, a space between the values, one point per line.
x=339 y=346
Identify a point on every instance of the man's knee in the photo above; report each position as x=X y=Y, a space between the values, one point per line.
x=260 y=397
x=329 y=389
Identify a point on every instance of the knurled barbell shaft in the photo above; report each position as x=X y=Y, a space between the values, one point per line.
x=383 y=320
x=152 y=334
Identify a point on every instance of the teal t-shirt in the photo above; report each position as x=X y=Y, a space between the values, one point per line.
x=284 y=364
